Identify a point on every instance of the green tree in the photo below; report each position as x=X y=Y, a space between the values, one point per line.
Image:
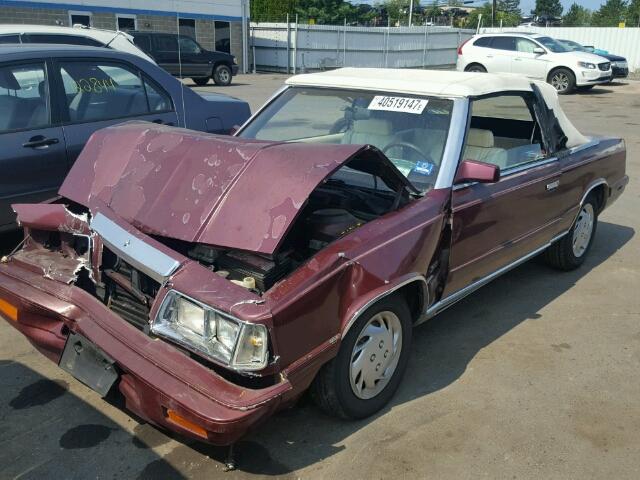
x=271 y=10
x=510 y=7
x=610 y=14
x=398 y=10
x=507 y=18
x=577 y=16
x=552 y=8
x=633 y=13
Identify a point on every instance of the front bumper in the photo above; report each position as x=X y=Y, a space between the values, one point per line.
x=619 y=72
x=593 y=77
x=234 y=70
x=154 y=377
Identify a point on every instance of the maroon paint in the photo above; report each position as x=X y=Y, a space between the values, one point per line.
x=307 y=313
x=475 y=171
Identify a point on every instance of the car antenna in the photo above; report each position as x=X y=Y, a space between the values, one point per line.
x=184 y=113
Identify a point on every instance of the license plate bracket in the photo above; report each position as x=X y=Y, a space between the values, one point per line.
x=86 y=362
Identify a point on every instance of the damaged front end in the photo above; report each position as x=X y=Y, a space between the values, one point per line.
x=163 y=251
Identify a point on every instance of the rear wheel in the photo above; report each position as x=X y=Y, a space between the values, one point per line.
x=200 y=81
x=563 y=80
x=570 y=251
x=222 y=75
x=476 y=67
x=373 y=356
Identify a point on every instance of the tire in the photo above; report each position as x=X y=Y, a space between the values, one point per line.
x=563 y=80
x=222 y=75
x=335 y=390
x=200 y=81
x=570 y=251
x=476 y=67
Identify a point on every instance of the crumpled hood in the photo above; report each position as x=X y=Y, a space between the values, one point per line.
x=197 y=187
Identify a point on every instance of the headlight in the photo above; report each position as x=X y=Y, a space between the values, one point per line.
x=590 y=66
x=240 y=345
x=235 y=62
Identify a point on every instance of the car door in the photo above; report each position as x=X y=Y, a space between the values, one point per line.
x=95 y=93
x=500 y=54
x=497 y=224
x=33 y=160
x=527 y=62
x=195 y=61
x=165 y=49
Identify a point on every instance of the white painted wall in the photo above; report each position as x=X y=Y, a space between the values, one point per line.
x=617 y=41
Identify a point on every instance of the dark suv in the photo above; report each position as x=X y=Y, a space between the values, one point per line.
x=183 y=57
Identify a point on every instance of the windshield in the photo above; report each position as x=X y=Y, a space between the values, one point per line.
x=410 y=130
x=575 y=46
x=552 y=44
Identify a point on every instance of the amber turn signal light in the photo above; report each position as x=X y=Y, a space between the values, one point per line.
x=179 y=420
x=10 y=311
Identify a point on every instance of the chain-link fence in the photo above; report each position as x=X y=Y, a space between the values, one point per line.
x=298 y=47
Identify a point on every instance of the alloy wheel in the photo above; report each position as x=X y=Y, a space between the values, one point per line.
x=560 y=81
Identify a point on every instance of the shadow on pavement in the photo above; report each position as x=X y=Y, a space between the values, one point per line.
x=41 y=413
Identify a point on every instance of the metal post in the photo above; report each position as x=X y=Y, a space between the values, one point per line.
x=295 y=47
x=253 y=46
x=245 y=50
x=424 y=50
x=410 y=12
x=288 y=45
x=344 y=44
x=386 y=47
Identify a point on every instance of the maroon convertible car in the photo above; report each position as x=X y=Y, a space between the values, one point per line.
x=211 y=280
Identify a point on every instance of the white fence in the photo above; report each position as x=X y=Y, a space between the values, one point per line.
x=295 y=48
x=617 y=41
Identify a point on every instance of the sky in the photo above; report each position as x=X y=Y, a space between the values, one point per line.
x=525 y=5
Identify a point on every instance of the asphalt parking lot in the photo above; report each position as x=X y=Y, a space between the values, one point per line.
x=537 y=375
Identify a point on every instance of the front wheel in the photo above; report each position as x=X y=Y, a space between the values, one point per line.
x=222 y=75
x=570 y=251
x=563 y=80
x=373 y=356
x=476 y=67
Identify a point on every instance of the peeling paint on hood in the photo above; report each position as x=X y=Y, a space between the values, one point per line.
x=196 y=187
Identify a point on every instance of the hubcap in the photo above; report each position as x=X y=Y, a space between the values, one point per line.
x=560 y=81
x=583 y=230
x=224 y=75
x=375 y=355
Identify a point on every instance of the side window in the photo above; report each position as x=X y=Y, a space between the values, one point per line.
x=187 y=45
x=159 y=100
x=504 y=132
x=166 y=43
x=9 y=39
x=483 y=42
x=524 y=45
x=61 y=39
x=143 y=42
x=96 y=91
x=503 y=43
x=24 y=98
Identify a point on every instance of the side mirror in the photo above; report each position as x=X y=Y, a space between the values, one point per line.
x=474 y=171
x=589 y=48
x=539 y=51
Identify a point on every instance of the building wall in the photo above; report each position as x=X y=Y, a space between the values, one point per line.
x=205 y=13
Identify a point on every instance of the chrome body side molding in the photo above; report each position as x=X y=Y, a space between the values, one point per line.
x=460 y=294
x=134 y=251
x=363 y=308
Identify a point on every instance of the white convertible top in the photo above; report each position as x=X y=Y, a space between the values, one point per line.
x=440 y=83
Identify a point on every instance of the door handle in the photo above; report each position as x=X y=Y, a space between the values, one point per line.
x=40 y=141
x=489 y=56
x=518 y=59
x=553 y=185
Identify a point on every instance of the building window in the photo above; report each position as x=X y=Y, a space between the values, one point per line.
x=223 y=36
x=80 y=18
x=187 y=27
x=126 y=23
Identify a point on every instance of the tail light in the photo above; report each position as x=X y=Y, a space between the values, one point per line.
x=462 y=45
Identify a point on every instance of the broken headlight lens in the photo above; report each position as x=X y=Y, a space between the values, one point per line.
x=215 y=335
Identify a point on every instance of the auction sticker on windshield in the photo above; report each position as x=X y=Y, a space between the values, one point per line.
x=398 y=104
